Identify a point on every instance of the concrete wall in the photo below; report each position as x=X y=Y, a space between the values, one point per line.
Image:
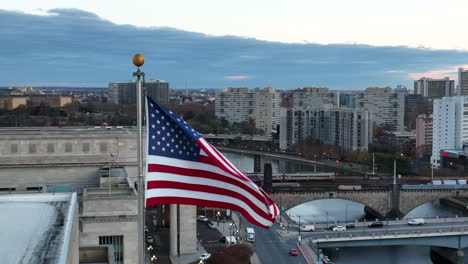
x=127 y=227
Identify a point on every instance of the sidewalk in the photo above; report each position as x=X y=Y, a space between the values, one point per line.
x=188 y=258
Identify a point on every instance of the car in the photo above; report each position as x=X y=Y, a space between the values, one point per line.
x=350 y=225
x=339 y=228
x=222 y=239
x=330 y=227
x=376 y=224
x=149 y=240
x=204 y=256
x=202 y=218
x=211 y=224
x=293 y=252
x=416 y=221
x=146 y=229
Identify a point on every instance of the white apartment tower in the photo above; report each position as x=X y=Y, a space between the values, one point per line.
x=450 y=125
x=240 y=104
x=434 y=88
x=347 y=128
x=462 y=82
x=386 y=108
x=316 y=97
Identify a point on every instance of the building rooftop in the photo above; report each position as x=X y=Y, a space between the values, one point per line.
x=66 y=130
x=36 y=228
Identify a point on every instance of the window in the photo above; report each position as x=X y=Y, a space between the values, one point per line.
x=117 y=244
x=50 y=147
x=32 y=148
x=103 y=147
x=14 y=148
x=68 y=147
x=85 y=147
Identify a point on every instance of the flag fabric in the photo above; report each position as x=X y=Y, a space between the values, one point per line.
x=113 y=160
x=184 y=168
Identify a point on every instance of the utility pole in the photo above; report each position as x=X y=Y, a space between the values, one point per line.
x=373 y=163
x=394 y=172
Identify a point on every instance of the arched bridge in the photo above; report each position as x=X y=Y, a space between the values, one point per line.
x=380 y=201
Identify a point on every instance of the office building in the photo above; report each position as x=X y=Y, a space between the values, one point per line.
x=462 y=82
x=416 y=105
x=423 y=136
x=450 y=125
x=386 y=108
x=434 y=88
x=238 y=105
x=125 y=92
x=349 y=129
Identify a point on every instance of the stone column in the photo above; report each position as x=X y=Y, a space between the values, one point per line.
x=173 y=230
x=187 y=229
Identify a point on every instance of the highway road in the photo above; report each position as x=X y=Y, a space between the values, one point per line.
x=394 y=227
x=271 y=248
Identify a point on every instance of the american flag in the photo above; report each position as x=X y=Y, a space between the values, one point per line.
x=184 y=168
x=114 y=160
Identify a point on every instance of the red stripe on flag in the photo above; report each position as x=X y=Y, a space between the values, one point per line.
x=209 y=189
x=206 y=175
x=191 y=201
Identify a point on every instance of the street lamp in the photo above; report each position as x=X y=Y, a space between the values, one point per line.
x=346 y=213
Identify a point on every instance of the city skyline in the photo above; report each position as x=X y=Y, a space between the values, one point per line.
x=73 y=47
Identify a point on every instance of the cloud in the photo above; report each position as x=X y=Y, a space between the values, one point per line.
x=75 y=46
x=237 y=77
x=451 y=72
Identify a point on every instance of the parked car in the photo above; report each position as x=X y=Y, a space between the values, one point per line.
x=211 y=224
x=146 y=229
x=350 y=225
x=339 y=228
x=222 y=239
x=376 y=224
x=149 y=240
x=293 y=252
x=202 y=218
x=330 y=227
x=204 y=256
x=416 y=221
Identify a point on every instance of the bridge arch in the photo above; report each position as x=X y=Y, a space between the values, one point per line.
x=411 y=199
x=378 y=202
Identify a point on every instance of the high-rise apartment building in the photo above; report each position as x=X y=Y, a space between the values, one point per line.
x=315 y=97
x=238 y=105
x=423 y=136
x=347 y=128
x=450 y=125
x=125 y=92
x=386 y=108
x=462 y=82
x=434 y=88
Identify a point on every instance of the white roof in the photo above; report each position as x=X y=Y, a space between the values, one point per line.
x=35 y=228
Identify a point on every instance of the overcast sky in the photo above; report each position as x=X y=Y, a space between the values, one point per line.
x=284 y=44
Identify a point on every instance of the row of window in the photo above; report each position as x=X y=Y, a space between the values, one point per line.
x=52 y=147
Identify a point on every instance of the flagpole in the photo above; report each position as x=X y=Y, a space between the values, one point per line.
x=139 y=60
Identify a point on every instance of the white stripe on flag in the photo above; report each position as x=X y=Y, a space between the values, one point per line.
x=155 y=193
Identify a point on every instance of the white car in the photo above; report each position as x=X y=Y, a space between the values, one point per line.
x=202 y=218
x=211 y=224
x=416 y=221
x=205 y=256
x=149 y=240
x=339 y=228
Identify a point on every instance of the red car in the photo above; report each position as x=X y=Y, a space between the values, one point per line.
x=293 y=252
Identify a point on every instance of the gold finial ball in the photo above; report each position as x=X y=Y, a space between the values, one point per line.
x=138 y=60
